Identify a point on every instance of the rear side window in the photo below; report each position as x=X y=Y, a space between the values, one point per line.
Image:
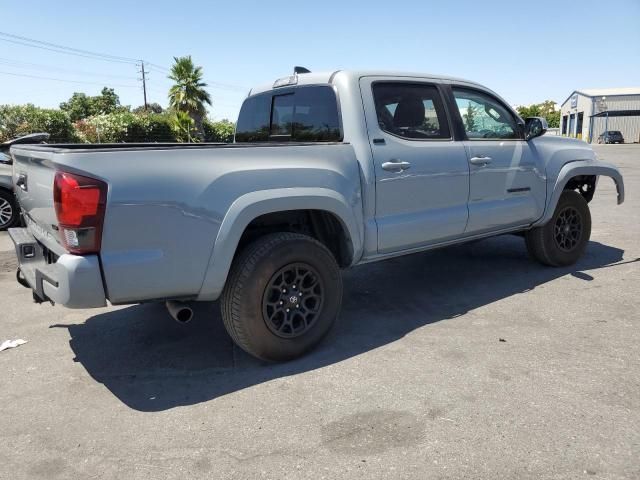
x=411 y=110
x=305 y=114
x=253 y=121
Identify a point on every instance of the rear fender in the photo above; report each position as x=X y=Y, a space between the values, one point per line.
x=573 y=169
x=254 y=204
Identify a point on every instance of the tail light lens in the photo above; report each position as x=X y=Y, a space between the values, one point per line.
x=80 y=204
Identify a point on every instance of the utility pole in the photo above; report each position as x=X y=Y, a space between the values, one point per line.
x=144 y=83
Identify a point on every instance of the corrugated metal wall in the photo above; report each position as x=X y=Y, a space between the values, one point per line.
x=629 y=126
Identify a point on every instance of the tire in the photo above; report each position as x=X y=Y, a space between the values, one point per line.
x=282 y=296
x=9 y=211
x=562 y=240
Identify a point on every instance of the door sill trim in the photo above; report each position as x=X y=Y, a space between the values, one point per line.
x=423 y=248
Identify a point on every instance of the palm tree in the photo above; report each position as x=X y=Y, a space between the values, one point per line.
x=188 y=94
x=183 y=127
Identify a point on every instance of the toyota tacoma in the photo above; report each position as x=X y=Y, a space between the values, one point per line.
x=327 y=171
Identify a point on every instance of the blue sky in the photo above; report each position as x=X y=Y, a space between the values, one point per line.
x=526 y=51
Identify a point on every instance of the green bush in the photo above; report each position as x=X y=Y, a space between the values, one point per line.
x=105 y=128
x=151 y=127
x=18 y=120
x=221 y=131
x=115 y=127
x=184 y=127
x=125 y=127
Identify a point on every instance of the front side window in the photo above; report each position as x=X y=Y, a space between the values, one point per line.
x=410 y=110
x=484 y=117
x=304 y=114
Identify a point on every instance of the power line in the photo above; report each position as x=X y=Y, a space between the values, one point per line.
x=53 y=47
x=66 y=80
x=60 y=51
x=38 y=66
x=159 y=67
x=30 y=42
x=218 y=85
x=227 y=86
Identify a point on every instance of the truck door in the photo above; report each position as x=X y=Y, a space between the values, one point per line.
x=507 y=179
x=422 y=174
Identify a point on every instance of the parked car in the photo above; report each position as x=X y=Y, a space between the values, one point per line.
x=9 y=210
x=612 y=136
x=328 y=171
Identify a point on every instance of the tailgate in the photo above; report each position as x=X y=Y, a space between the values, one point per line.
x=33 y=176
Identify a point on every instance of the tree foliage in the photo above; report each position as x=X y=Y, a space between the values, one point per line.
x=188 y=92
x=18 y=120
x=470 y=118
x=81 y=106
x=547 y=109
x=151 y=108
x=102 y=119
x=184 y=127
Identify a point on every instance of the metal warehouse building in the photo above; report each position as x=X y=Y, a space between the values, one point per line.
x=586 y=114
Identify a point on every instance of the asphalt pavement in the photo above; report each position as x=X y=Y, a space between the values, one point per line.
x=468 y=362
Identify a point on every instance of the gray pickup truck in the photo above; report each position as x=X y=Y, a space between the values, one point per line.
x=328 y=171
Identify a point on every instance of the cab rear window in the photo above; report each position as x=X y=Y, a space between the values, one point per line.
x=302 y=114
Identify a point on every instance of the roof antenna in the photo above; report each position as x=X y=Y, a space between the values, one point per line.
x=297 y=70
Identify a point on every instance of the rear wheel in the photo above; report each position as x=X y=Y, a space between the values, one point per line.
x=9 y=213
x=282 y=296
x=562 y=240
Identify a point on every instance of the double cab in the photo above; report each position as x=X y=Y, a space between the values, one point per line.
x=327 y=171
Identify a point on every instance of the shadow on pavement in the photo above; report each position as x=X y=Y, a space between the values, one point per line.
x=152 y=363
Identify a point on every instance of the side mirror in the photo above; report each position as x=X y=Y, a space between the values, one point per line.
x=534 y=127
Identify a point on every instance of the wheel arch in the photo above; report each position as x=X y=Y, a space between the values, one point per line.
x=326 y=208
x=581 y=176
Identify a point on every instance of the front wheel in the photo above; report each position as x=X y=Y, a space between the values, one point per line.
x=562 y=240
x=282 y=296
x=9 y=213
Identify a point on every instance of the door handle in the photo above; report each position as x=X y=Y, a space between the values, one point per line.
x=482 y=161
x=395 y=165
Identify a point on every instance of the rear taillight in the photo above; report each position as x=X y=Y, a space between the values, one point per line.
x=80 y=203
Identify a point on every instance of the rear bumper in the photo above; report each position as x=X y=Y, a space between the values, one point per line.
x=73 y=281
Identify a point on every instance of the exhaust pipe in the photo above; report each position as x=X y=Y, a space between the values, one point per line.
x=180 y=311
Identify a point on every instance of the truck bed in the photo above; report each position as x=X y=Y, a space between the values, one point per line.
x=166 y=203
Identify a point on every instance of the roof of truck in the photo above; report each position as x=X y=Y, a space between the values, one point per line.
x=315 y=78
